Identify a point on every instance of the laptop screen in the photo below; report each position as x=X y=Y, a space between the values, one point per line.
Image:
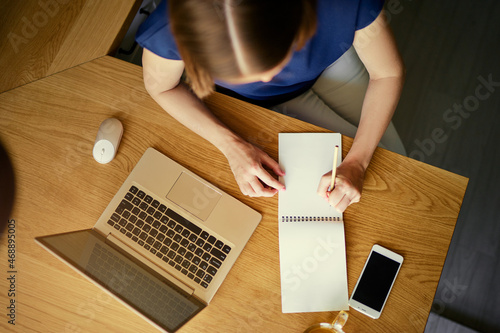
x=138 y=286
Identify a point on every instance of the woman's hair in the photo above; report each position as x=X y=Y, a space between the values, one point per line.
x=227 y=39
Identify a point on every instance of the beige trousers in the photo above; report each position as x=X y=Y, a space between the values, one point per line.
x=334 y=102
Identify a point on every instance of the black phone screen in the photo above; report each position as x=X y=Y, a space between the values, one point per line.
x=376 y=281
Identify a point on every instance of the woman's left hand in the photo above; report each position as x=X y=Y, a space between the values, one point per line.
x=348 y=185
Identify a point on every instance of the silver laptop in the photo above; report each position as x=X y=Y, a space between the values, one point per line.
x=163 y=245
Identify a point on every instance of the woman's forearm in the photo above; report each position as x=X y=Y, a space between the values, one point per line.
x=380 y=102
x=186 y=108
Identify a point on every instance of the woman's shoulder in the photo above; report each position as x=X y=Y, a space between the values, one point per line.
x=154 y=34
x=351 y=13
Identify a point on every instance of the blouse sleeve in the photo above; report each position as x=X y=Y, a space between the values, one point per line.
x=155 y=34
x=368 y=11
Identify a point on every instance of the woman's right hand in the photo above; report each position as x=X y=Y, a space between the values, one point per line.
x=247 y=163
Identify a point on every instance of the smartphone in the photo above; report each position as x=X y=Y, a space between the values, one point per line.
x=375 y=282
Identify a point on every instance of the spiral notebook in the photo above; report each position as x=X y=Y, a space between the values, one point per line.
x=311 y=233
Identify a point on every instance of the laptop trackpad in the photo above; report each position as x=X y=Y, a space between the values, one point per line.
x=194 y=196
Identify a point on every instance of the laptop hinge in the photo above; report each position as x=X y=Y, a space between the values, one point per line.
x=112 y=240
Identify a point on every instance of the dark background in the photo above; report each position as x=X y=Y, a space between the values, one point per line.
x=449 y=47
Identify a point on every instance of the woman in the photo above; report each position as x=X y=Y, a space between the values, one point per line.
x=299 y=57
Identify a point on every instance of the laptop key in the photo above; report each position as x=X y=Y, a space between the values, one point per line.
x=153 y=232
x=141 y=194
x=181 y=220
x=157 y=245
x=215 y=262
x=128 y=234
x=219 y=245
x=207 y=278
x=123 y=222
x=184 y=242
x=204 y=285
x=206 y=256
x=204 y=235
x=211 y=270
x=150 y=240
x=196 y=260
x=133 y=189
x=130 y=226
x=200 y=273
x=218 y=254
x=148 y=199
x=178 y=259
x=184 y=271
x=146 y=227
x=189 y=255
x=186 y=263
x=123 y=230
x=111 y=223
x=193 y=268
x=197 y=280
x=126 y=205
x=226 y=249
x=171 y=254
x=203 y=265
x=115 y=217
x=178 y=267
x=211 y=239
x=191 y=247
x=162 y=208
x=160 y=237
x=207 y=247
x=167 y=241
x=199 y=252
x=164 y=250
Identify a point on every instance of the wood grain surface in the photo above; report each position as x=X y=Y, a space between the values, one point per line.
x=49 y=127
x=42 y=37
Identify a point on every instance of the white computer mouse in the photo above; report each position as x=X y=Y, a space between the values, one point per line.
x=107 y=140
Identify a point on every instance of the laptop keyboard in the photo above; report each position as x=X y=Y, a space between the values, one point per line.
x=183 y=245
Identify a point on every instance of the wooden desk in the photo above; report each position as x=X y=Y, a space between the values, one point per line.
x=49 y=126
x=40 y=38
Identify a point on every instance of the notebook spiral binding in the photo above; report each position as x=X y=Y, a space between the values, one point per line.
x=309 y=219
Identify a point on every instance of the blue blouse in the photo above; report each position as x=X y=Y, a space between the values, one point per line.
x=337 y=21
